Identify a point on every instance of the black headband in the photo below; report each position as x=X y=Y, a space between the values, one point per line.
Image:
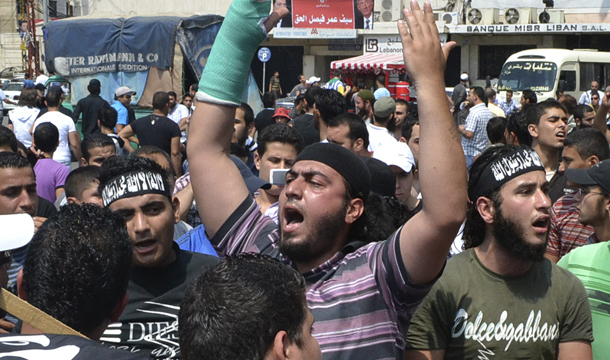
x=504 y=169
x=343 y=161
x=134 y=183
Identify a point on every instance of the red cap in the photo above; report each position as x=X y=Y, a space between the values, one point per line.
x=281 y=112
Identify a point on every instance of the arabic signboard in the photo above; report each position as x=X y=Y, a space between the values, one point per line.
x=323 y=14
x=292 y=33
x=529 y=28
x=388 y=44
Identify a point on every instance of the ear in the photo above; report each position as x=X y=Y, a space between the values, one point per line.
x=577 y=121
x=99 y=124
x=72 y=200
x=116 y=312
x=592 y=160
x=354 y=210
x=358 y=144
x=83 y=162
x=486 y=209
x=250 y=127
x=257 y=160
x=533 y=130
x=280 y=346
x=20 y=290
x=402 y=140
x=176 y=209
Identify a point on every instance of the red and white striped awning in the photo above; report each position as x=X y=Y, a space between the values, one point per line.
x=370 y=61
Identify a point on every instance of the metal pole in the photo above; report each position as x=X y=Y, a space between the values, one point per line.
x=45 y=11
x=264 y=75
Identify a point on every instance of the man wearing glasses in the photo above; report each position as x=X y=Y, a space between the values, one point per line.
x=591 y=263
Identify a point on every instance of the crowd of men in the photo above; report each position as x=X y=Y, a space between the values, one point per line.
x=355 y=228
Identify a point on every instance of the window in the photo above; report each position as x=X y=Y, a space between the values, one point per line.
x=568 y=79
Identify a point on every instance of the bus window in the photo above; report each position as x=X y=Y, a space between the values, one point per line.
x=590 y=72
x=569 y=78
x=522 y=75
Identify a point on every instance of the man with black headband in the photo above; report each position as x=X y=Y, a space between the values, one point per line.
x=138 y=189
x=362 y=295
x=500 y=298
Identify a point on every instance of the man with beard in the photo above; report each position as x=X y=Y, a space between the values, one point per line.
x=361 y=294
x=364 y=105
x=501 y=298
x=381 y=129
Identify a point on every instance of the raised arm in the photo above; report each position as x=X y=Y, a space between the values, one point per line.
x=218 y=186
x=425 y=239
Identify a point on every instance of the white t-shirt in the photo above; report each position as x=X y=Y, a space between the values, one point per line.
x=179 y=113
x=378 y=136
x=2 y=97
x=65 y=125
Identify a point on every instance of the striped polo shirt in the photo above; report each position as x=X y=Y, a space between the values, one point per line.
x=362 y=300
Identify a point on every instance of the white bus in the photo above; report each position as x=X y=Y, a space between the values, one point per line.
x=545 y=71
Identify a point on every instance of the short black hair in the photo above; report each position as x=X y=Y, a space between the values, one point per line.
x=160 y=99
x=311 y=94
x=517 y=124
x=8 y=138
x=530 y=95
x=496 y=126
x=330 y=103
x=107 y=116
x=337 y=72
x=172 y=93
x=534 y=113
x=235 y=309
x=588 y=142
x=80 y=179
x=46 y=137
x=95 y=140
x=12 y=160
x=53 y=97
x=282 y=133
x=357 y=127
x=401 y=101
x=269 y=100
x=581 y=110
x=248 y=113
x=406 y=129
x=480 y=93
x=119 y=165
x=474 y=228
x=77 y=266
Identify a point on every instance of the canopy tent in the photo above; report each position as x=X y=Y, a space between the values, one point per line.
x=370 y=62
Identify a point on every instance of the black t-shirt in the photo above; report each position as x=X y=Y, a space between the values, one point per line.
x=45 y=208
x=149 y=324
x=55 y=346
x=156 y=130
x=305 y=125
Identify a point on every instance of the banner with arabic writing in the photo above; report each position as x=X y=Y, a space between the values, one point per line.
x=323 y=14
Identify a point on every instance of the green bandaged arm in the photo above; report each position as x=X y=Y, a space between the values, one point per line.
x=224 y=76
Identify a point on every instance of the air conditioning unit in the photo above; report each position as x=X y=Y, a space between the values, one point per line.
x=446 y=18
x=520 y=16
x=482 y=16
x=389 y=10
x=552 y=16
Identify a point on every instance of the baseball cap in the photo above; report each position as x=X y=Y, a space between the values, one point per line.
x=598 y=174
x=17 y=231
x=252 y=182
x=384 y=106
x=397 y=154
x=313 y=79
x=281 y=112
x=464 y=77
x=124 y=90
x=95 y=82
